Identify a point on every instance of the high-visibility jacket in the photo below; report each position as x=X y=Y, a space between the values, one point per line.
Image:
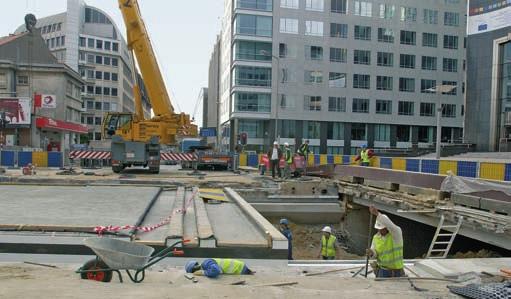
x=364 y=155
x=288 y=156
x=327 y=248
x=230 y=266
x=388 y=254
x=304 y=149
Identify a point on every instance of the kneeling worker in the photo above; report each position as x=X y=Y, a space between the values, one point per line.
x=387 y=247
x=214 y=267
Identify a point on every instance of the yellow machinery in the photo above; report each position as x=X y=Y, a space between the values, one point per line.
x=135 y=140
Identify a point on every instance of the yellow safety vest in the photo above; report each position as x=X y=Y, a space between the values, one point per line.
x=364 y=155
x=289 y=157
x=230 y=266
x=328 y=248
x=388 y=254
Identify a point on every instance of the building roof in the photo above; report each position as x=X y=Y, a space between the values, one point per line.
x=11 y=37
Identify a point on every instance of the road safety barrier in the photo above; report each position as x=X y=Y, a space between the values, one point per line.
x=105 y=155
x=22 y=159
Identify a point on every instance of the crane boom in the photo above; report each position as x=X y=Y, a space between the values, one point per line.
x=140 y=44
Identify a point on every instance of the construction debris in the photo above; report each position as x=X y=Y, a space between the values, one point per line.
x=331 y=271
x=277 y=284
x=38 y=264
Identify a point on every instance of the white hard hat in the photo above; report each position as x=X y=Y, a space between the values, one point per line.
x=379 y=225
x=286 y=144
x=275 y=143
x=327 y=229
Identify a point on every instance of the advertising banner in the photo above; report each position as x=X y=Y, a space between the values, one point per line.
x=17 y=110
x=48 y=101
x=489 y=21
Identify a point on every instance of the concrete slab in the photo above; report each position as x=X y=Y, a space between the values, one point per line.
x=466 y=200
x=189 y=220
x=309 y=213
x=176 y=229
x=381 y=185
x=204 y=229
x=161 y=209
x=84 y=207
x=452 y=268
x=425 y=192
x=496 y=206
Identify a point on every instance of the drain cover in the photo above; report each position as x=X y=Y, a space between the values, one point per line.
x=484 y=291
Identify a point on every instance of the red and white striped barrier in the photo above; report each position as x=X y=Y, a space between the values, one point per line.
x=102 y=155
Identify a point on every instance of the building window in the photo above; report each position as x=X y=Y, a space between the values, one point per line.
x=338 y=30
x=425 y=134
x=362 y=57
x=363 y=8
x=403 y=133
x=253 y=25
x=430 y=16
x=361 y=81
x=383 y=107
x=90 y=90
x=82 y=41
x=115 y=61
x=335 y=131
x=287 y=102
x=387 y=11
x=90 y=120
x=248 y=50
x=449 y=110
x=52 y=43
x=312 y=103
x=407 y=84
x=283 y=50
x=407 y=61
x=358 y=131
x=428 y=86
x=385 y=35
x=97 y=136
x=99 y=59
x=429 y=63
x=90 y=58
x=97 y=120
x=90 y=105
x=408 y=37
x=99 y=44
x=339 y=6
x=450 y=65
x=90 y=43
x=252 y=76
x=106 y=76
x=115 y=47
x=97 y=105
x=115 y=77
x=450 y=42
x=99 y=75
x=313 y=77
x=108 y=45
x=336 y=104
x=98 y=90
x=314 y=28
x=360 y=106
x=383 y=83
x=22 y=80
x=312 y=129
x=337 y=80
x=114 y=93
x=289 y=4
x=382 y=132
x=106 y=60
x=106 y=106
x=385 y=59
x=362 y=32
x=252 y=102
x=338 y=55
x=451 y=91
x=451 y=18
x=63 y=41
x=314 y=5
x=408 y=14
x=429 y=40
x=265 y=5
x=90 y=74
x=314 y=52
x=427 y=109
x=405 y=108
x=289 y=26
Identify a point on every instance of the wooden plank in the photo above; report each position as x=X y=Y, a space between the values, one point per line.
x=204 y=229
x=176 y=222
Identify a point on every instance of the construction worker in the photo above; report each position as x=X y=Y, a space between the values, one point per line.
x=303 y=150
x=365 y=156
x=288 y=157
x=274 y=155
x=328 y=246
x=387 y=247
x=214 y=267
x=284 y=229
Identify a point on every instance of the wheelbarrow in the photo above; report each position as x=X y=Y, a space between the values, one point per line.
x=113 y=255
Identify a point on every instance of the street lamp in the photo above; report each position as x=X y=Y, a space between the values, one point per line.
x=268 y=54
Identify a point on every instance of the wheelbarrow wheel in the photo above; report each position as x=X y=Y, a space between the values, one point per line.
x=103 y=276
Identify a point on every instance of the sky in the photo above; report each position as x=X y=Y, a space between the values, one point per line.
x=183 y=33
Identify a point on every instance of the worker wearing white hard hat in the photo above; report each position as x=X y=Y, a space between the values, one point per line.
x=387 y=247
x=274 y=154
x=288 y=158
x=328 y=245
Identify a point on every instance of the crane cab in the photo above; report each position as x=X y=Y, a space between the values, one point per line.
x=116 y=123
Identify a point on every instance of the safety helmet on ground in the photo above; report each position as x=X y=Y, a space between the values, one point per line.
x=286 y=144
x=379 y=225
x=190 y=265
x=275 y=143
x=327 y=229
x=284 y=221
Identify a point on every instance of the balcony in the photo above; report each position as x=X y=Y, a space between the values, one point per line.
x=261 y=5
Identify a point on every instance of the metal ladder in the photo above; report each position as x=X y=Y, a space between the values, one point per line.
x=443 y=239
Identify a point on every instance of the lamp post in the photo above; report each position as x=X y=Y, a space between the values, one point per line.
x=439 y=89
x=268 y=54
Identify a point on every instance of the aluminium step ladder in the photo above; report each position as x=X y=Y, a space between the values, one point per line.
x=443 y=239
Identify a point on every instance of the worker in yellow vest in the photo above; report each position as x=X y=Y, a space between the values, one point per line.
x=214 y=267
x=328 y=246
x=365 y=155
x=387 y=247
x=288 y=157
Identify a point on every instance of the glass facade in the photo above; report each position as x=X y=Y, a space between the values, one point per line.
x=252 y=76
x=252 y=102
x=253 y=25
x=265 y=5
x=256 y=51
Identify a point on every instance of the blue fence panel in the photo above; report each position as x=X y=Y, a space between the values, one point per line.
x=330 y=159
x=429 y=166
x=386 y=163
x=253 y=160
x=317 y=160
x=24 y=158
x=7 y=158
x=346 y=159
x=507 y=174
x=467 y=169
x=54 y=159
x=412 y=165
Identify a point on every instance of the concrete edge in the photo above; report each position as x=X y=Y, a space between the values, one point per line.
x=176 y=229
x=275 y=239
x=204 y=228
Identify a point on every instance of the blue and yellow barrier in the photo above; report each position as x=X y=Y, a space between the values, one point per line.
x=22 y=159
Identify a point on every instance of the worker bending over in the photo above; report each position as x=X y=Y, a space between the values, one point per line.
x=303 y=150
x=328 y=246
x=284 y=229
x=214 y=267
x=387 y=247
